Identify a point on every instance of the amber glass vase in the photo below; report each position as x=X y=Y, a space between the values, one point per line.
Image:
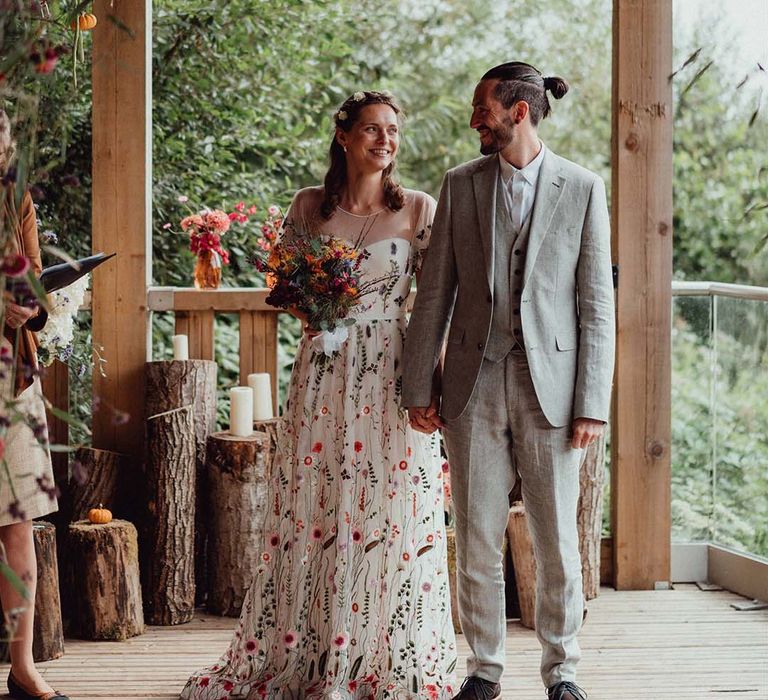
x=207 y=270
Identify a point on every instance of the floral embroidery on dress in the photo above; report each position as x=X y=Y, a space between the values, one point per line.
x=350 y=600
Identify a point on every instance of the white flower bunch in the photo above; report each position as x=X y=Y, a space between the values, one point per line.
x=56 y=336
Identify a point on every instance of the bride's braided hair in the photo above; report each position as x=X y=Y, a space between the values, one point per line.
x=336 y=177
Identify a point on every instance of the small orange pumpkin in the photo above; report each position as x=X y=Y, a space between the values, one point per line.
x=100 y=515
x=85 y=21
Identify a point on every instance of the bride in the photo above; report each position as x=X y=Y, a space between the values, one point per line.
x=351 y=599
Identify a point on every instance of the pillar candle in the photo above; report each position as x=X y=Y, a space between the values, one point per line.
x=241 y=411
x=262 y=395
x=180 y=347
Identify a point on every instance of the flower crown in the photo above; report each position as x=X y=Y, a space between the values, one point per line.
x=342 y=115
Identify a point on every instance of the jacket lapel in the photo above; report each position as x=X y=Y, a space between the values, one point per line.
x=484 y=182
x=549 y=189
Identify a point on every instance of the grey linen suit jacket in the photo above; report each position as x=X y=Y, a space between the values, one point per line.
x=566 y=303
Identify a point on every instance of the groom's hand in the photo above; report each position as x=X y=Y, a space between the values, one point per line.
x=426 y=419
x=586 y=431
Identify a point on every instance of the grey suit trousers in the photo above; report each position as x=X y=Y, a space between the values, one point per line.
x=501 y=432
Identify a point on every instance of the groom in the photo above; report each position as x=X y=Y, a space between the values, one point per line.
x=518 y=274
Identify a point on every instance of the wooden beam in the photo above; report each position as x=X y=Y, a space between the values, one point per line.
x=642 y=245
x=122 y=184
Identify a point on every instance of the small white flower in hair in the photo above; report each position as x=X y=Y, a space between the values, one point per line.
x=358 y=96
x=341 y=115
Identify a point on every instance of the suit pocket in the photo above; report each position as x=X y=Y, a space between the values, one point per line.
x=456 y=335
x=566 y=341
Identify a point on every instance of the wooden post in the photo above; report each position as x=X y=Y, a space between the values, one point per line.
x=641 y=202
x=104 y=579
x=169 y=556
x=237 y=502
x=174 y=384
x=122 y=182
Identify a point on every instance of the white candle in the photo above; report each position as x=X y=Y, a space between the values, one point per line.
x=262 y=395
x=180 y=347
x=241 y=411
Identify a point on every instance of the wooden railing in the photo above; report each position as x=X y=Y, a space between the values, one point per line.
x=195 y=311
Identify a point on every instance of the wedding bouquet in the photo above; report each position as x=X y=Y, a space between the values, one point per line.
x=55 y=338
x=319 y=276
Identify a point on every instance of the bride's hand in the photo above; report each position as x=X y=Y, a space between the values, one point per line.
x=309 y=332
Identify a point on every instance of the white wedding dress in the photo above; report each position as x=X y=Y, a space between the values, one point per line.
x=351 y=600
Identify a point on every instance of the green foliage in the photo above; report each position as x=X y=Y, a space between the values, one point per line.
x=720 y=426
x=243 y=91
x=720 y=174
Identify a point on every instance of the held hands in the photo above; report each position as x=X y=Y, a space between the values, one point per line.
x=586 y=431
x=426 y=419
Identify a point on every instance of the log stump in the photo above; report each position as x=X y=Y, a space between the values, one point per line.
x=524 y=562
x=47 y=628
x=237 y=493
x=174 y=384
x=450 y=540
x=590 y=516
x=270 y=427
x=95 y=482
x=169 y=582
x=48 y=639
x=104 y=579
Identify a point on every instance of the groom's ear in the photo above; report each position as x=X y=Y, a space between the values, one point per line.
x=520 y=111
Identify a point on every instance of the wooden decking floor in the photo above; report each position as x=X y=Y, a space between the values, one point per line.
x=664 y=645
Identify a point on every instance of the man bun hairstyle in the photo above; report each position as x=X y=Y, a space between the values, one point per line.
x=522 y=81
x=345 y=118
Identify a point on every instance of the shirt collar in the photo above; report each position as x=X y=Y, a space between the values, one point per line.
x=530 y=172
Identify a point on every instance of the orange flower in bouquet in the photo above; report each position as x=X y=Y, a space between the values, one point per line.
x=320 y=276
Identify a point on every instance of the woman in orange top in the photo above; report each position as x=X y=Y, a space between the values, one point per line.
x=27 y=490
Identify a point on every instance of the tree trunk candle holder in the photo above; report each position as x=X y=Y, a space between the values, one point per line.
x=174 y=384
x=237 y=493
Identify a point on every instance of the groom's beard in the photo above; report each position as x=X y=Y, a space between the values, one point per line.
x=501 y=137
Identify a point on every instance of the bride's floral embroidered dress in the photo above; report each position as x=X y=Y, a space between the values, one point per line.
x=351 y=599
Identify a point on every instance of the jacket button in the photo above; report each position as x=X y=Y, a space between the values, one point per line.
x=479 y=346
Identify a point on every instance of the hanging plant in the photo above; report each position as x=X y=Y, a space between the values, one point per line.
x=85 y=22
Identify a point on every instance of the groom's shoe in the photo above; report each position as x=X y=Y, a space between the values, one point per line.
x=565 y=690
x=475 y=688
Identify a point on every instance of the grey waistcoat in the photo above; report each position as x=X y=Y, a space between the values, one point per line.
x=509 y=262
